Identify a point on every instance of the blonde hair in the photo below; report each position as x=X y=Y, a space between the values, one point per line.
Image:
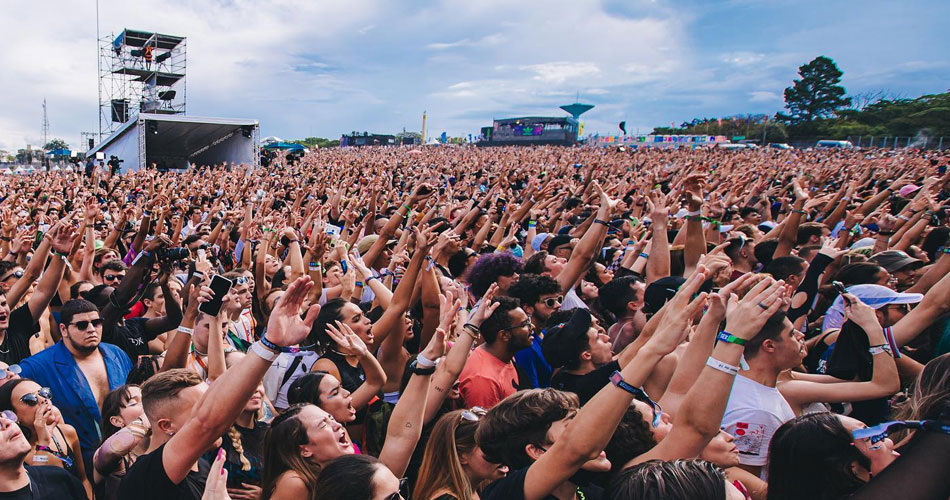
x=441 y=469
x=235 y=435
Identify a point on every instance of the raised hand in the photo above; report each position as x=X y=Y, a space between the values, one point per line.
x=759 y=304
x=486 y=308
x=285 y=327
x=347 y=341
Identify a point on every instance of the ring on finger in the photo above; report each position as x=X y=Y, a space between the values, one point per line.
x=763 y=306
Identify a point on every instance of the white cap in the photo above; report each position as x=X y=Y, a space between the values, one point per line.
x=876 y=296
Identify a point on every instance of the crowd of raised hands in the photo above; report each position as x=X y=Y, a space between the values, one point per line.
x=459 y=323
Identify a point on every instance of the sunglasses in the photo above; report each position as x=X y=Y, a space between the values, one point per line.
x=553 y=301
x=14 y=274
x=474 y=414
x=113 y=277
x=11 y=371
x=879 y=432
x=9 y=415
x=33 y=398
x=241 y=280
x=403 y=483
x=82 y=325
x=657 y=411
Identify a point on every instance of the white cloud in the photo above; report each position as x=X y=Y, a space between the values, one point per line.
x=764 y=96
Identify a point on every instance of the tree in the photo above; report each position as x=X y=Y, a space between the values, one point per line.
x=817 y=94
x=318 y=142
x=56 y=144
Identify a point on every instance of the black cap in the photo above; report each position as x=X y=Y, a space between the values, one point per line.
x=561 y=239
x=662 y=290
x=560 y=342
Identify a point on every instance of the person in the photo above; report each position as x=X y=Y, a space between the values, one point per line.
x=125 y=432
x=453 y=466
x=623 y=298
x=489 y=375
x=580 y=349
x=54 y=442
x=80 y=370
x=676 y=480
x=188 y=417
x=900 y=265
x=357 y=477
x=19 y=480
x=540 y=298
x=243 y=449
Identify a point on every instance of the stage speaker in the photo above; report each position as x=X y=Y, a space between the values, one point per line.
x=92 y=143
x=120 y=110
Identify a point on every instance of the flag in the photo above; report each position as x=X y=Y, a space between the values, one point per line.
x=623 y=127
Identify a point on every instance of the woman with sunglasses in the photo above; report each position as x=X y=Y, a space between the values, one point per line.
x=453 y=466
x=53 y=442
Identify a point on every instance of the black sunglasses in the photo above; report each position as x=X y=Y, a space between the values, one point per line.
x=113 y=277
x=32 y=398
x=403 y=483
x=526 y=322
x=14 y=274
x=82 y=325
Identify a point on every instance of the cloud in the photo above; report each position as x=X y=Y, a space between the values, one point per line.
x=764 y=96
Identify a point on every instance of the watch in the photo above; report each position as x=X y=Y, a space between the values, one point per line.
x=415 y=369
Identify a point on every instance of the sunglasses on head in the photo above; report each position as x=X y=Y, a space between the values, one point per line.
x=474 y=414
x=241 y=280
x=403 y=483
x=113 y=277
x=14 y=274
x=33 y=398
x=9 y=415
x=82 y=325
x=553 y=301
x=657 y=411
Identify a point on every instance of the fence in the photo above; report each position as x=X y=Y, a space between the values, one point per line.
x=886 y=142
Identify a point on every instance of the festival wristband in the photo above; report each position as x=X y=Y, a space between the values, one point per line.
x=279 y=349
x=263 y=352
x=878 y=349
x=694 y=213
x=724 y=367
x=186 y=330
x=359 y=284
x=725 y=336
x=424 y=362
x=599 y=221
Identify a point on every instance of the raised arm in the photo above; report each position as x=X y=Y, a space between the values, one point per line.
x=588 y=246
x=61 y=240
x=349 y=343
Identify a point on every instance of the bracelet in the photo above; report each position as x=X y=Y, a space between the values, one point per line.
x=4 y=238
x=903 y=217
x=878 y=349
x=199 y=274
x=532 y=223
x=64 y=255
x=725 y=336
x=892 y=343
x=891 y=233
x=291 y=242
x=599 y=221
x=424 y=362
x=186 y=330
x=408 y=208
x=263 y=352
x=795 y=211
x=499 y=248
x=724 y=367
x=644 y=255
x=697 y=212
x=146 y=213
x=359 y=284
x=474 y=336
x=475 y=331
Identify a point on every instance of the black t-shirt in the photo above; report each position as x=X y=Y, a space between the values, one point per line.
x=252 y=442
x=585 y=386
x=16 y=343
x=47 y=482
x=147 y=480
x=511 y=487
x=130 y=337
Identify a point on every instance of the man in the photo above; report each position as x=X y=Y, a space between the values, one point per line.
x=18 y=327
x=112 y=273
x=489 y=374
x=21 y=481
x=242 y=323
x=810 y=233
x=81 y=370
x=756 y=408
x=901 y=266
x=540 y=297
x=581 y=349
x=188 y=417
x=742 y=252
x=623 y=297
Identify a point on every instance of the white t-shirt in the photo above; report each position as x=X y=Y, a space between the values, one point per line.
x=276 y=391
x=572 y=301
x=753 y=414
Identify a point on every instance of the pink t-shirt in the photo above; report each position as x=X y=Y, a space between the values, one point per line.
x=486 y=380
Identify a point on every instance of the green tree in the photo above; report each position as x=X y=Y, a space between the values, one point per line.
x=817 y=94
x=56 y=144
x=318 y=142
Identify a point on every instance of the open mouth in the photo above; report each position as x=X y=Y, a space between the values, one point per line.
x=343 y=439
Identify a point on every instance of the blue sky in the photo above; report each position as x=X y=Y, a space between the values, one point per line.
x=322 y=68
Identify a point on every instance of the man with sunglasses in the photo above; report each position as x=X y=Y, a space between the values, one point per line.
x=18 y=480
x=242 y=322
x=490 y=374
x=81 y=370
x=540 y=297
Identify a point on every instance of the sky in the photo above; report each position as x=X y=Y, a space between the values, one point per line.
x=328 y=67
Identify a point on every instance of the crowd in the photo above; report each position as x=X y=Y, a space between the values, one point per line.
x=464 y=323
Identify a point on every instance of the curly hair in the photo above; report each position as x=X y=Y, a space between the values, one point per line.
x=530 y=288
x=489 y=267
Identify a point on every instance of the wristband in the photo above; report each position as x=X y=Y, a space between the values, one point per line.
x=724 y=367
x=891 y=233
x=408 y=208
x=359 y=284
x=725 y=336
x=644 y=255
x=878 y=349
x=416 y=368
x=532 y=223
x=68 y=462
x=146 y=213
x=697 y=212
x=903 y=217
x=64 y=255
x=599 y=221
x=278 y=348
x=4 y=238
x=263 y=352
x=186 y=330
x=892 y=343
x=795 y=211
x=199 y=274
x=424 y=362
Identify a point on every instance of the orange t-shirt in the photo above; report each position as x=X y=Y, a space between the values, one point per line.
x=486 y=380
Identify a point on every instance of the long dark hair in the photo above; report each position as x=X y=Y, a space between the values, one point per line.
x=306 y=389
x=349 y=477
x=282 y=443
x=330 y=312
x=811 y=456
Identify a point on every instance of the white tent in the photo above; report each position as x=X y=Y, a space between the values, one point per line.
x=177 y=142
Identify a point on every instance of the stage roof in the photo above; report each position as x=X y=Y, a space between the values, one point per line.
x=178 y=131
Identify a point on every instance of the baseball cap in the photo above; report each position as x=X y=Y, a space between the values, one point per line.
x=876 y=296
x=894 y=260
x=559 y=345
x=908 y=190
x=766 y=226
x=561 y=239
x=663 y=289
x=366 y=242
x=539 y=240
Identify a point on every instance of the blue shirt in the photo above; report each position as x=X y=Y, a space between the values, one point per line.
x=55 y=368
x=531 y=361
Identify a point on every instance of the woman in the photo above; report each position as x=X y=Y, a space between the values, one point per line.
x=723 y=452
x=815 y=456
x=124 y=437
x=358 y=477
x=52 y=442
x=454 y=466
x=243 y=448
x=324 y=390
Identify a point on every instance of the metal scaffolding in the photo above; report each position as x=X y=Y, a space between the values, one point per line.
x=139 y=72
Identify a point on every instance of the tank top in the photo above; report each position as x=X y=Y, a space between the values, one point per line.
x=351 y=377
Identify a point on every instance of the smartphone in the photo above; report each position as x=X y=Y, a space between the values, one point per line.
x=839 y=287
x=220 y=286
x=202 y=253
x=333 y=230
